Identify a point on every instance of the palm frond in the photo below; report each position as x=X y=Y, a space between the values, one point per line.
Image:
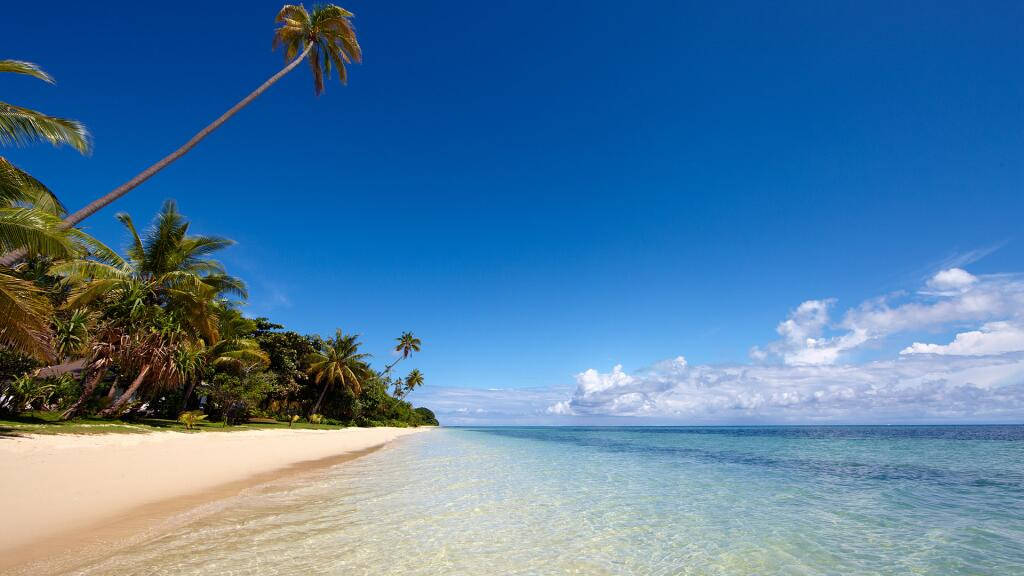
x=38 y=231
x=137 y=252
x=24 y=317
x=18 y=187
x=26 y=68
x=22 y=126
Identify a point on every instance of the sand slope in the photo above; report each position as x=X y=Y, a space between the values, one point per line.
x=52 y=485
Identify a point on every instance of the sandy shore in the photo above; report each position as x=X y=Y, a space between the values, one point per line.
x=57 y=490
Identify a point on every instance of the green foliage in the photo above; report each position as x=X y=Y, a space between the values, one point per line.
x=285 y=350
x=339 y=364
x=191 y=418
x=65 y=390
x=14 y=364
x=70 y=334
x=425 y=417
x=25 y=393
x=316 y=419
x=235 y=398
x=326 y=32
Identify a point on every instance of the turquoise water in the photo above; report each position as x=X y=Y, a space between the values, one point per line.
x=731 y=501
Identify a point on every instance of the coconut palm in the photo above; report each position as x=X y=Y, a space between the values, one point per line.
x=407 y=344
x=30 y=218
x=165 y=267
x=338 y=363
x=163 y=299
x=235 y=351
x=325 y=37
x=412 y=381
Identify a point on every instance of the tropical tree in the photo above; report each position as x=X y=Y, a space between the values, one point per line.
x=163 y=300
x=166 y=267
x=412 y=381
x=407 y=344
x=338 y=363
x=30 y=218
x=151 y=355
x=325 y=37
x=235 y=351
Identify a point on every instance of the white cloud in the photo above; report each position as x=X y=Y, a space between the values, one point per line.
x=810 y=373
x=978 y=376
x=951 y=279
x=952 y=298
x=910 y=388
x=991 y=338
x=560 y=408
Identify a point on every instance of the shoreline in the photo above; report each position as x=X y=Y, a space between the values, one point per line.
x=104 y=488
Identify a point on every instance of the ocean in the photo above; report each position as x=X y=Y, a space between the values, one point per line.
x=803 y=500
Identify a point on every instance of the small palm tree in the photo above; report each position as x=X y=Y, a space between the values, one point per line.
x=412 y=381
x=407 y=344
x=191 y=418
x=325 y=37
x=338 y=363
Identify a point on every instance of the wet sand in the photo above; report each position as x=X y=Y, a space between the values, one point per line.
x=65 y=492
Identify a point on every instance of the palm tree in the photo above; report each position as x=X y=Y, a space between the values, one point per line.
x=338 y=363
x=407 y=344
x=30 y=218
x=325 y=37
x=165 y=267
x=150 y=355
x=235 y=350
x=412 y=381
x=164 y=295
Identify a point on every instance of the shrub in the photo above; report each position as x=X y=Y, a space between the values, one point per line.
x=191 y=418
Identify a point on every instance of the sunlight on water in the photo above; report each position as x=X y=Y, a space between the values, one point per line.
x=628 y=501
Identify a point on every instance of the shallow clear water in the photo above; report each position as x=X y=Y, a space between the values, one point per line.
x=776 y=500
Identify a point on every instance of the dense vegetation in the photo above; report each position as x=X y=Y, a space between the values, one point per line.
x=157 y=331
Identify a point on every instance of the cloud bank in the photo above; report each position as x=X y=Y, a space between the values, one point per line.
x=951 y=351
x=808 y=374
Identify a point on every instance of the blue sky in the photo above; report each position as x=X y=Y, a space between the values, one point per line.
x=538 y=189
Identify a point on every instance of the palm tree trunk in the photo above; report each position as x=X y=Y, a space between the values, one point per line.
x=11 y=257
x=387 y=369
x=118 y=404
x=90 y=387
x=113 y=388
x=188 y=394
x=320 y=399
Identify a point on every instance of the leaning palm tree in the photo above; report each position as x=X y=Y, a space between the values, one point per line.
x=412 y=381
x=407 y=344
x=338 y=363
x=325 y=37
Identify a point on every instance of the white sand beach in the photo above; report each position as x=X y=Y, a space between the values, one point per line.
x=57 y=489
